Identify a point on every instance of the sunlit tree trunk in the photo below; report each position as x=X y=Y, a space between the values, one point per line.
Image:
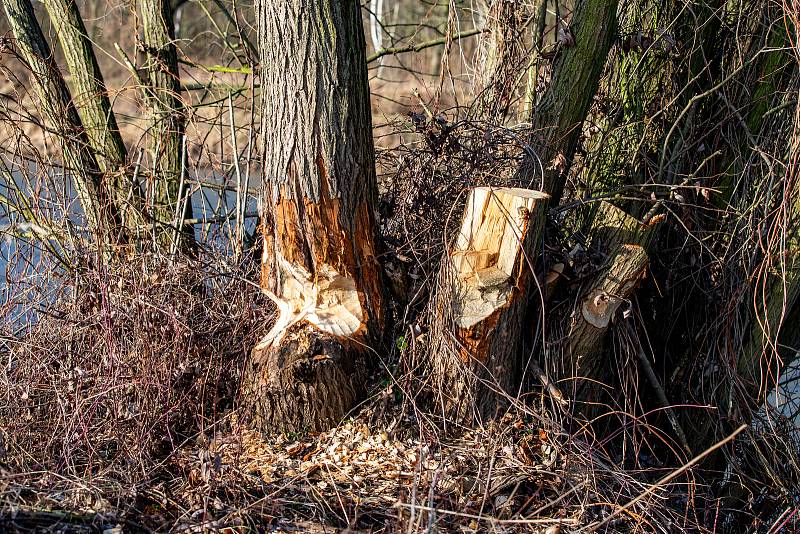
x=62 y=118
x=501 y=55
x=320 y=263
x=90 y=98
x=167 y=119
x=478 y=360
x=559 y=115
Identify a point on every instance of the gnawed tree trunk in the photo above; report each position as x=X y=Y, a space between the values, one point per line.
x=623 y=239
x=162 y=94
x=319 y=197
x=558 y=118
x=62 y=118
x=597 y=307
x=479 y=307
x=94 y=108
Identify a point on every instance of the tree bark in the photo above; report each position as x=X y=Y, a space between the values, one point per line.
x=489 y=366
x=480 y=303
x=94 y=108
x=319 y=199
x=532 y=78
x=162 y=95
x=558 y=117
x=624 y=240
x=502 y=52
x=62 y=118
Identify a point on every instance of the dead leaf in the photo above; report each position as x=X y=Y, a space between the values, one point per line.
x=559 y=163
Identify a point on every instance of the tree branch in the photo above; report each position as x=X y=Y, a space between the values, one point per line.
x=421 y=46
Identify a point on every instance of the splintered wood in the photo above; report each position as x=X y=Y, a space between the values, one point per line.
x=623 y=239
x=487 y=252
x=483 y=299
x=329 y=301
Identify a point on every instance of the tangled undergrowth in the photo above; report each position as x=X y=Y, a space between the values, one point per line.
x=154 y=447
x=119 y=412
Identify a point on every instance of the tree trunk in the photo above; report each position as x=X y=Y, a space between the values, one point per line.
x=167 y=120
x=94 y=108
x=539 y=24
x=491 y=359
x=623 y=240
x=319 y=199
x=62 y=118
x=558 y=117
x=502 y=52
x=480 y=303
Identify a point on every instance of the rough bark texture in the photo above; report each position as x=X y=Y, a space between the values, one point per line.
x=480 y=303
x=559 y=115
x=62 y=118
x=88 y=88
x=91 y=100
x=558 y=118
x=502 y=52
x=623 y=240
x=166 y=110
x=319 y=197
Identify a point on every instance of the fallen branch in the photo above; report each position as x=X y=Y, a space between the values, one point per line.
x=667 y=478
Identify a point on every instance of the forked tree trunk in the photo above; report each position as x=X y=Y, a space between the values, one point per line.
x=319 y=199
x=91 y=100
x=470 y=361
x=167 y=118
x=61 y=117
x=479 y=307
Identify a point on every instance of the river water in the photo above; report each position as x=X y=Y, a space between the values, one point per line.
x=214 y=204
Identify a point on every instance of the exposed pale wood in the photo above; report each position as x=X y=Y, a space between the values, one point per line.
x=624 y=240
x=558 y=120
x=481 y=301
x=320 y=260
x=611 y=288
